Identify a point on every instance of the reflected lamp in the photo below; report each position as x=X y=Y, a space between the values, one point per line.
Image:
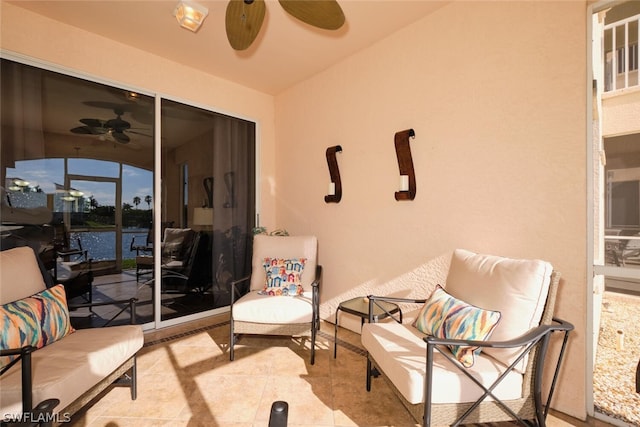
x=203 y=216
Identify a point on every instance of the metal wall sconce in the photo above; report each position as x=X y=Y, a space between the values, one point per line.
x=405 y=164
x=335 y=186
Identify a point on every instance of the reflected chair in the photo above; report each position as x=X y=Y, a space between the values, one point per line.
x=194 y=274
x=174 y=247
x=69 y=264
x=144 y=253
x=282 y=294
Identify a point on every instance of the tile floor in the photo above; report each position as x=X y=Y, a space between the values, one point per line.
x=185 y=378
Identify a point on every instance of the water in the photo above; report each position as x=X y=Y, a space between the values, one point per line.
x=101 y=245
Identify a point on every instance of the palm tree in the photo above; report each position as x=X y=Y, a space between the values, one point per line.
x=136 y=201
x=147 y=200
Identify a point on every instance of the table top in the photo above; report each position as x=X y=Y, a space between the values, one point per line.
x=359 y=306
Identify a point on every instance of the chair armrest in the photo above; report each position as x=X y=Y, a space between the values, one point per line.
x=130 y=303
x=531 y=336
x=24 y=354
x=235 y=289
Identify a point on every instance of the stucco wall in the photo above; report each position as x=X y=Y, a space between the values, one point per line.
x=498 y=107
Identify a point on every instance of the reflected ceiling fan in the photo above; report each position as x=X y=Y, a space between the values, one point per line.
x=244 y=17
x=111 y=129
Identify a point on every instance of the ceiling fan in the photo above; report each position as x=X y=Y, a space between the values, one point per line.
x=112 y=128
x=244 y=17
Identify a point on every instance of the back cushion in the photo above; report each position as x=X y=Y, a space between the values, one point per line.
x=285 y=247
x=20 y=275
x=517 y=288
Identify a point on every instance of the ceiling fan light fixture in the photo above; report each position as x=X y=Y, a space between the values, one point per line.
x=190 y=15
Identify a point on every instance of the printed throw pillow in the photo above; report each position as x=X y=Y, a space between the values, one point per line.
x=283 y=276
x=38 y=320
x=444 y=316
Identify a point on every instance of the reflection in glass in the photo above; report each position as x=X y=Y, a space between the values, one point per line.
x=208 y=161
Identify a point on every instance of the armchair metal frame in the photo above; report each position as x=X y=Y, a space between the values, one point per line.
x=528 y=408
x=119 y=376
x=289 y=329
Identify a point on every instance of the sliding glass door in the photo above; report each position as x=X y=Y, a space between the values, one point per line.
x=79 y=156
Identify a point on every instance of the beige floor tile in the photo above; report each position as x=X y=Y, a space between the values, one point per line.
x=188 y=380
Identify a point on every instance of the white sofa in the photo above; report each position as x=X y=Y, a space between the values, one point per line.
x=433 y=384
x=72 y=369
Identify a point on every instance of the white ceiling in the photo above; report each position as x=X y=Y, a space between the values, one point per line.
x=286 y=51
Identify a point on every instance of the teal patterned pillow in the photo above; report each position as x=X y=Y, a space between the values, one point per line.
x=283 y=276
x=38 y=320
x=444 y=316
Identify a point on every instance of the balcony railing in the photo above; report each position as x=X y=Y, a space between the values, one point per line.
x=621 y=54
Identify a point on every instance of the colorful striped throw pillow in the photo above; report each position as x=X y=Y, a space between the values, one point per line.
x=444 y=316
x=38 y=320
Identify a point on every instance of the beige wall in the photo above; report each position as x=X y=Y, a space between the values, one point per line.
x=498 y=107
x=499 y=111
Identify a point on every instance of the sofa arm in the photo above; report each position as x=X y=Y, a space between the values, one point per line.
x=537 y=336
x=24 y=354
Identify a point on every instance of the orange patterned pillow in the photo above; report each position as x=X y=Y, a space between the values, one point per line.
x=38 y=320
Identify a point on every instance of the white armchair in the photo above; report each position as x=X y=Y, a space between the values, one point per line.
x=290 y=263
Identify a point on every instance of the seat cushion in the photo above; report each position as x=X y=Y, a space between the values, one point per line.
x=517 y=288
x=20 y=275
x=68 y=368
x=257 y=308
x=400 y=352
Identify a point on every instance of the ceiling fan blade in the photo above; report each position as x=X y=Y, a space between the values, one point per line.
x=117 y=124
x=89 y=130
x=94 y=123
x=243 y=22
x=82 y=130
x=325 y=14
x=120 y=137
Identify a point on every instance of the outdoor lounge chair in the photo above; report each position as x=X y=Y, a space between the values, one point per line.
x=439 y=376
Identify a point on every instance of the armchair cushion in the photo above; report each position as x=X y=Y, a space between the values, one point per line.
x=38 y=320
x=257 y=308
x=283 y=276
x=444 y=316
x=517 y=288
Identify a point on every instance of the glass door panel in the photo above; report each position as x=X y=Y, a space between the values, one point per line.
x=208 y=207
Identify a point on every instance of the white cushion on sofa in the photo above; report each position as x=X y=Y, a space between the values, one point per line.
x=68 y=368
x=517 y=288
x=19 y=274
x=400 y=351
x=253 y=307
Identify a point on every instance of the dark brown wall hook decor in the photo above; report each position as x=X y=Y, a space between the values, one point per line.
x=405 y=164
x=334 y=172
